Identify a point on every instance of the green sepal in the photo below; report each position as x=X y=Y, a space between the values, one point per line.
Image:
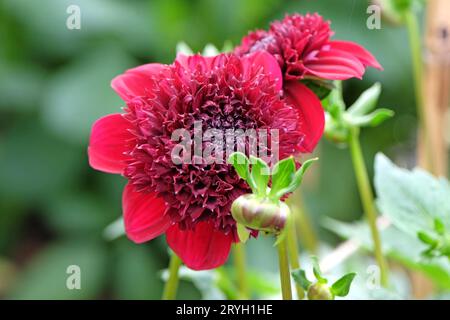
x=300 y=278
x=296 y=180
x=281 y=176
x=227 y=46
x=241 y=164
x=210 y=50
x=342 y=286
x=260 y=174
x=316 y=270
x=366 y=102
x=372 y=119
x=183 y=48
x=243 y=232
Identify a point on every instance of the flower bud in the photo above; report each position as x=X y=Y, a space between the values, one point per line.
x=260 y=214
x=335 y=132
x=320 y=291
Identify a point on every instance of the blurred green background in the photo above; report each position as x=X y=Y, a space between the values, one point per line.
x=55 y=82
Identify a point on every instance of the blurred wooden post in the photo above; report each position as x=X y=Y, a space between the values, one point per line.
x=436 y=88
x=436 y=81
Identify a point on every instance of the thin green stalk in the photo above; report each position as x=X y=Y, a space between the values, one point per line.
x=171 y=286
x=367 y=200
x=305 y=229
x=240 y=269
x=285 y=276
x=294 y=257
x=414 y=35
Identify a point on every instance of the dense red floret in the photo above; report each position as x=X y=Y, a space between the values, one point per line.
x=303 y=48
x=222 y=95
x=190 y=202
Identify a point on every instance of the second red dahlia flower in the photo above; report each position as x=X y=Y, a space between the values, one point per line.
x=190 y=203
x=303 y=48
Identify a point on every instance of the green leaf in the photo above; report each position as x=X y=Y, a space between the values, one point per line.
x=439 y=226
x=296 y=180
x=300 y=278
x=210 y=50
x=398 y=246
x=426 y=238
x=317 y=271
x=281 y=176
x=366 y=102
x=371 y=120
x=260 y=174
x=412 y=200
x=183 y=48
x=416 y=202
x=342 y=286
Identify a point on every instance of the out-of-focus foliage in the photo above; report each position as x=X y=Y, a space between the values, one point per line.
x=320 y=289
x=399 y=247
x=341 y=122
x=395 y=10
x=415 y=201
x=417 y=204
x=54 y=83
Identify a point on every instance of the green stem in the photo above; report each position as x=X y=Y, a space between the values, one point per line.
x=367 y=200
x=285 y=276
x=417 y=63
x=171 y=286
x=303 y=222
x=293 y=256
x=240 y=267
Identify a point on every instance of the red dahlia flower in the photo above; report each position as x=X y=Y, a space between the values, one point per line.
x=302 y=47
x=191 y=203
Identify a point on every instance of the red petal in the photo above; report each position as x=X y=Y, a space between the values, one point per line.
x=137 y=81
x=202 y=248
x=143 y=215
x=335 y=65
x=268 y=63
x=358 y=51
x=312 y=115
x=109 y=141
